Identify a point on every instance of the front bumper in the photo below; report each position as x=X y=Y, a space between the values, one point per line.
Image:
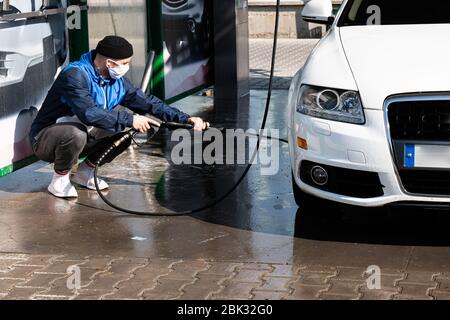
x=356 y=147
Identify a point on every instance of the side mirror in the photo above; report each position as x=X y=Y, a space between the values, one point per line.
x=318 y=11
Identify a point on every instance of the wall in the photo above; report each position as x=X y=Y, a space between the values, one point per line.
x=262 y=16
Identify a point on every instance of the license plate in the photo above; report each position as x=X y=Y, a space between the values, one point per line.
x=426 y=156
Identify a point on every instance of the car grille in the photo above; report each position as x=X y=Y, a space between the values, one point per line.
x=426 y=181
x=420 y=120
x=3 y=69
x=425 y=121
x=175 y=3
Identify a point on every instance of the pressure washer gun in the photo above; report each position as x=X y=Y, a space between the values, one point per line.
x=122 y=143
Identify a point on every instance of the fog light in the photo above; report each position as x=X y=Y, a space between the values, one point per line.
x=319 y=175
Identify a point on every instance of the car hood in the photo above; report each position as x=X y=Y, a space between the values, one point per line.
x=390 y=60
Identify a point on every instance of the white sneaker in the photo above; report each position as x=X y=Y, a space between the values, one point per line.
x=61 y=187
x=85 y=177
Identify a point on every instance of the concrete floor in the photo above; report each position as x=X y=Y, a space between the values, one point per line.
x=259 y=223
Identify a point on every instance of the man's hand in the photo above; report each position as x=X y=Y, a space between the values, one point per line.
x=142 y=124
x=198 y=123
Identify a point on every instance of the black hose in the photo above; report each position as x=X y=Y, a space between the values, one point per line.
x=131 y=134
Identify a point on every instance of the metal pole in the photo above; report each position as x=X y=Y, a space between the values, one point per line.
x=148 y=72
x=5 y=5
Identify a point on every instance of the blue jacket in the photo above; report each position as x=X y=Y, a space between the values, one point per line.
x=79 y=90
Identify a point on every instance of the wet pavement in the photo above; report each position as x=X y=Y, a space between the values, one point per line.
x=257 y=244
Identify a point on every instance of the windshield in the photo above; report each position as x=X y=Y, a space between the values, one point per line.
x=390 y=12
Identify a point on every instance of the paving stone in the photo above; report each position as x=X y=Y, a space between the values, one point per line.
x=444 y=283
x=419 y=277
x=222 y=268
x=123 y=267
x=105 y=282
x=313 y=278
x=87 y=275
x=305 y=292
x=440 y=294
x=244 y=275
x=325 y=271
x=377 y=295
x=203 y=287
x=291 y=55
x=108 y=296
x=414 y=290
x=160 y=296
x=153 y=271
x=60 y=266
x=275 y=284
x=7 y=284
x=7 y=265
x=99 y=263
x=40 y=280
x=388 y=283
x=130 y=289
x=344 y=286
x=408 y=297
x=255 y=266
x=350 y=274
x=283 y=271
x=85 y=294
x=171 y=287
x=59 y=288
x=71 y=257
x=156 y=267
x=114 y=278
x=21 y=293
x=47 y=297
x=333 y=296
x=36 y=260
x=13 y=256
x=235 y=290
x=186 y=270
x=267 y=295
x=20 y=272
x=128 y=260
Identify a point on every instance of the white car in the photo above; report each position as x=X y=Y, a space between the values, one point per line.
x=369 y=113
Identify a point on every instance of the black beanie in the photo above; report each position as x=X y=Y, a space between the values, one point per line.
x=115 y=47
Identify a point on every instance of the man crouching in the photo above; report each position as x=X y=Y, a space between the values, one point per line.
x=79 y=117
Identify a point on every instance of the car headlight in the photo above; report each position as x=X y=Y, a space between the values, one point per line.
x=332 y=104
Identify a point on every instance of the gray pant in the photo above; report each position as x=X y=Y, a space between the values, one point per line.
x=65 y=143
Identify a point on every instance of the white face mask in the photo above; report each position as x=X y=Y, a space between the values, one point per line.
x=119 y=71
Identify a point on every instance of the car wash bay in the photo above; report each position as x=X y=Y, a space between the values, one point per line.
x=255 y=245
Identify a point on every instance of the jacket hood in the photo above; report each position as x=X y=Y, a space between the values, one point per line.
x=86 y=62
